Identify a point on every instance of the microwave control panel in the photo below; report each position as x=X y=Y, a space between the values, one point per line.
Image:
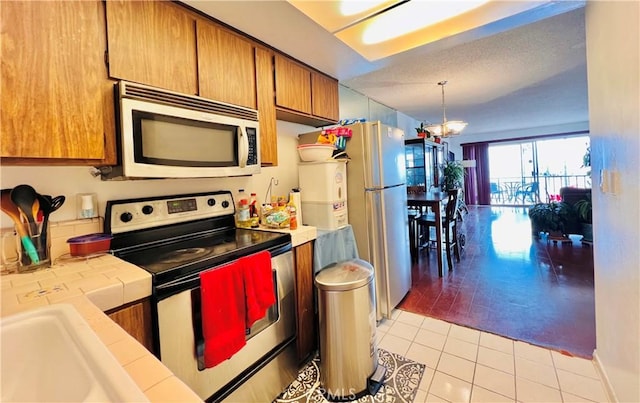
x=252 y=136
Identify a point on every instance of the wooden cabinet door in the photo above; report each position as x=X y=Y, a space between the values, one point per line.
x=154 y=43
x=305 y=316
x=266 y=107
x=226 y=67
x=324 y=95
x=293 y=85
x=135 y=319
x=57 y=102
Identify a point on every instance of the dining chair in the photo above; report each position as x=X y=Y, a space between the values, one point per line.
x=413 y=215
x=449 y=227
x=530 y=191
x=497 y=192
x=416 y=189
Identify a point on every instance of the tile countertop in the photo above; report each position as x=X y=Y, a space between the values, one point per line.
x=93 y=286
x=303 y=234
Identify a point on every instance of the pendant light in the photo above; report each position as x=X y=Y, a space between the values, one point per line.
x=446 y=128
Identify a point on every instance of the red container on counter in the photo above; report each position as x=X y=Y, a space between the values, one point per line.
x=89 y=244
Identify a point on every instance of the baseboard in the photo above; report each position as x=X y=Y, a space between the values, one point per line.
x=605 y=379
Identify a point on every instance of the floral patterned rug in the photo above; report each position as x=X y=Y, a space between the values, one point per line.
x=400 y=384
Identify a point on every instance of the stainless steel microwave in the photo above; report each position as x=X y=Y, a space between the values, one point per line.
x=164 y=134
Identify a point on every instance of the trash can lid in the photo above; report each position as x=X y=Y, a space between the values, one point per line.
x=345 y=275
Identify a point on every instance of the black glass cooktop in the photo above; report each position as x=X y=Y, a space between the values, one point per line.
x=174 y=258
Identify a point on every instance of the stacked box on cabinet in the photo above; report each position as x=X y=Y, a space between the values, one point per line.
x=323 y=193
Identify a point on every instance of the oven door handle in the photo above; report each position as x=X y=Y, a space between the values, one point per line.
x=166 y=290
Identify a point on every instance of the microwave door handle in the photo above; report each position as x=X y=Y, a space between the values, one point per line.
x=243 y=147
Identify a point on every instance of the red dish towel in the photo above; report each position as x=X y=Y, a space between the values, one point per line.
x=223 y=312
x=258 y=285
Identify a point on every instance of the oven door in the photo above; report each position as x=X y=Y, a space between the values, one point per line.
x=269 y=337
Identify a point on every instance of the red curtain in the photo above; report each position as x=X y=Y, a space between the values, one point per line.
x=476 y=186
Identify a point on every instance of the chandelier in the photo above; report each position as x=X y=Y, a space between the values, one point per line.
x=447 y=127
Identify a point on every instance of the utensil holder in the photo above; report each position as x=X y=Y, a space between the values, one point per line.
x=35 y=251
x=10 y=253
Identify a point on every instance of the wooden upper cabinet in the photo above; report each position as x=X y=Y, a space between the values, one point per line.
x=154 y=43
x=293 y=85
x=266 y=107
x=226 y=68
x=57 y=101
x=324 y=94
x=304 y=95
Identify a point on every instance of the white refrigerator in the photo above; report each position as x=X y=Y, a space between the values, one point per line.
x=377 y=208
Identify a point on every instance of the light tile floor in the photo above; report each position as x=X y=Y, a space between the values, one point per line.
x=467 y=365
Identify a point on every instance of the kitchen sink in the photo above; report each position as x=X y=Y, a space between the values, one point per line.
x=51 y=354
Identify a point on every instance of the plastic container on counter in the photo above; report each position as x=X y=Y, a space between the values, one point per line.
x=89 y=244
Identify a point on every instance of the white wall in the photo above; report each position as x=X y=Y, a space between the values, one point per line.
x=69 y=181
x=408 y=125
x=613 y=43
x=354 y=105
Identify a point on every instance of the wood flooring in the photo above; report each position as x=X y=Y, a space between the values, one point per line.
x=511 y=284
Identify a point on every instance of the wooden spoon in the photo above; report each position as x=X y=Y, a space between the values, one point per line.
x=10 y=209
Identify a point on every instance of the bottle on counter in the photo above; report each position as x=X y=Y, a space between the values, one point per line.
x=293 y=219
x=254 y=211
x=243 y=216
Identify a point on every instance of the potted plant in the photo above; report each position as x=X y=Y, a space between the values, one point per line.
x=422 y=131
x=586 y=160
x=543 y=218
x=584 y=211
x=551 y=218
x=453 y=175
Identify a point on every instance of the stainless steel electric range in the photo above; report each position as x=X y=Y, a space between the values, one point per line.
x=177 y=237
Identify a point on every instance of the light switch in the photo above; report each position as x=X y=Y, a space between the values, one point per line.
x=609 y=181
x=604 y=180
x=614 y=182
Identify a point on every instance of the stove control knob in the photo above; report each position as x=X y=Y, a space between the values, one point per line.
x=126 y=217
x=225 y=203
x=211 y=202
x=146 y=210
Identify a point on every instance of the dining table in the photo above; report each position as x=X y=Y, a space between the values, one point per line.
x=511 y=188
x=432 y=200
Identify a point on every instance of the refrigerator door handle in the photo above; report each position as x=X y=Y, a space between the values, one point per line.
x=376 y=228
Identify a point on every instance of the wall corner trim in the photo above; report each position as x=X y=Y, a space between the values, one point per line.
x=605 y=379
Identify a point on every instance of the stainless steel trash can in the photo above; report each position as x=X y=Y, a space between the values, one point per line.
x=347 y=319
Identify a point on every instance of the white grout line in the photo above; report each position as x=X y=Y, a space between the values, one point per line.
x=598 y=364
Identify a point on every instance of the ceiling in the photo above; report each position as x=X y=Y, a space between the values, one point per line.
x=524 y=71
